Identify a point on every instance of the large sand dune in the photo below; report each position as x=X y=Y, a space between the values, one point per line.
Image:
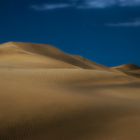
x=46 y=94
x=27 y=55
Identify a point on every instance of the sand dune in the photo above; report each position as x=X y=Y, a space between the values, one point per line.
x=40 y=55
x=46 y=94
x=129 y=69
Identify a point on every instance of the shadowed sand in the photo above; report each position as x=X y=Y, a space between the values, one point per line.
x=67 y=102
x=129 y=69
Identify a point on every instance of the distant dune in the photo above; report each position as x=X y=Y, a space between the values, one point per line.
x=127 y=67
x=130 y=69
x=46 y=94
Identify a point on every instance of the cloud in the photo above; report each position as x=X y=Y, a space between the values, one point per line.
x=86 y=4
x=129 y=2
x=89 y=4
x=134 y=23
x=44 y=7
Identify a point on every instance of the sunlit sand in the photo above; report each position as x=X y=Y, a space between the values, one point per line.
x=46 y=94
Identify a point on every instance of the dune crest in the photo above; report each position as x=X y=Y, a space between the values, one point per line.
x=47 y=55
x=127 y=67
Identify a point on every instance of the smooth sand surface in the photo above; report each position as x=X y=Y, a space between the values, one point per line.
x=27 y=55
x=68 y=103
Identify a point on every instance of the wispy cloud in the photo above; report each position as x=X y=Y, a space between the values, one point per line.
x=86 y=4
x=89 y=4
x=129 y=2
x=44 y=7
x=134 y=23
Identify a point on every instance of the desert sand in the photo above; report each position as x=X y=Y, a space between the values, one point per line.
x=46 y=94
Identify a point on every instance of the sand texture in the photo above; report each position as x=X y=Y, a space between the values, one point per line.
x=46 y=94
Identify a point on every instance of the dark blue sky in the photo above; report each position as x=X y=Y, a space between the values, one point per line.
x=106 y=31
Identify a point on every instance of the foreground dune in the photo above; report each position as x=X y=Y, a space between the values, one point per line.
x=66 y=103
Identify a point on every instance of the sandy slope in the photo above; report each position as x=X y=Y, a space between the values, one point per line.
x=129 y=69
x=29 y=55
x=69 y=103
x=59 y=104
